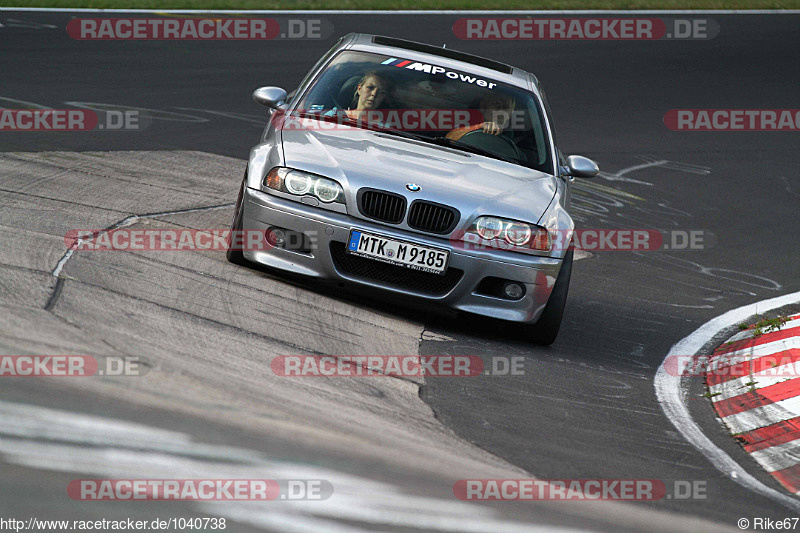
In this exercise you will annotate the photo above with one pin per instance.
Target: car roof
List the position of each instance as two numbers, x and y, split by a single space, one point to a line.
444 57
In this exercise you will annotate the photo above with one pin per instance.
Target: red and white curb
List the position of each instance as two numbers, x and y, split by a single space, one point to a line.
762 407
672 392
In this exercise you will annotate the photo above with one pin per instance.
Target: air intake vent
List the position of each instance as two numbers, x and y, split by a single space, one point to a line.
381 205
434 218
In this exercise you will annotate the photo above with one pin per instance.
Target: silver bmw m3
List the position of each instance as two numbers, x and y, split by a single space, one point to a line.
420 171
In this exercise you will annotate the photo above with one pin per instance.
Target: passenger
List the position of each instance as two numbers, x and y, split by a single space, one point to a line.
496 110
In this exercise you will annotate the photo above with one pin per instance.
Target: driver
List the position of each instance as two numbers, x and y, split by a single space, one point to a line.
370 93
496 110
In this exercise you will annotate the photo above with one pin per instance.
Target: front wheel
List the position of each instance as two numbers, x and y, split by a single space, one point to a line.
545 331
236 256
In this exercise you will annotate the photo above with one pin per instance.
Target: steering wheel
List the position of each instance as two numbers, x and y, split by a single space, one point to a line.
499 144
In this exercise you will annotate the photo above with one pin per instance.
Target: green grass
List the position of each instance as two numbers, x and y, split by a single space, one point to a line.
766 325
504 5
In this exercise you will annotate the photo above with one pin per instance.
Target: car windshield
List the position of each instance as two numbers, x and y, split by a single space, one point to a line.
432 103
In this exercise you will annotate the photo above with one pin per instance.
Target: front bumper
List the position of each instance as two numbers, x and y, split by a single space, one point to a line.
329 233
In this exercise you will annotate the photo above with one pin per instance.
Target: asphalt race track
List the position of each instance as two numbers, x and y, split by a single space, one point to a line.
209 406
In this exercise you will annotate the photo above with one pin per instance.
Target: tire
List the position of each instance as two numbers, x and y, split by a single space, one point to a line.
545 331
236 256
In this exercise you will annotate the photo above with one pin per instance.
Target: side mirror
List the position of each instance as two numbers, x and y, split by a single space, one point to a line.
582 167
271 97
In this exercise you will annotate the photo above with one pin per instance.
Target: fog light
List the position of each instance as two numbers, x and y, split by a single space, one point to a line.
276 237
513 291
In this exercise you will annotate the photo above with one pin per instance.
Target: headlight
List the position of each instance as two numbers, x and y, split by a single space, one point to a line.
517 233
489 228
327 190
297 183
511 235
302 183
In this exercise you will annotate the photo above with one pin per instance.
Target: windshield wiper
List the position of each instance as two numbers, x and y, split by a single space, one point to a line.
444 141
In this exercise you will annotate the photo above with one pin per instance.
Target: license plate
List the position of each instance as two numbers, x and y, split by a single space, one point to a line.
395 252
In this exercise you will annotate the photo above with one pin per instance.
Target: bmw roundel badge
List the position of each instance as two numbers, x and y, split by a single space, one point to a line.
413 187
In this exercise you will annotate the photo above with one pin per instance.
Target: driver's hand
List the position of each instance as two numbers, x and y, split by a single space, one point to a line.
492 128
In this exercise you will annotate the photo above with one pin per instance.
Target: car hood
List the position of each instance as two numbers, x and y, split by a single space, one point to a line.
473 184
